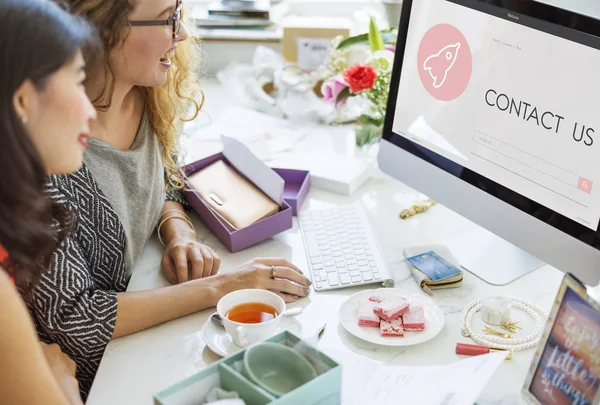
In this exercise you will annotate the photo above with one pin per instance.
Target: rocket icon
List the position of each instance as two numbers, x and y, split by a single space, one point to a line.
439 64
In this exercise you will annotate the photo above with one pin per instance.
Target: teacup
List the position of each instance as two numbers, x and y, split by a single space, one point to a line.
245 334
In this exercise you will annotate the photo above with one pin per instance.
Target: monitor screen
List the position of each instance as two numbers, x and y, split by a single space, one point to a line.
507 100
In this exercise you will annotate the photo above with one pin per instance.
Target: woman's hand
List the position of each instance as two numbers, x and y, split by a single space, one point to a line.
289 283
184 253
63 369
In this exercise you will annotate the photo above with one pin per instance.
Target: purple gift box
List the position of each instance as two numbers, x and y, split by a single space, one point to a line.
297 184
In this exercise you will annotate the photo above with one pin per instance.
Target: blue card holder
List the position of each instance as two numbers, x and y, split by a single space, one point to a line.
434 267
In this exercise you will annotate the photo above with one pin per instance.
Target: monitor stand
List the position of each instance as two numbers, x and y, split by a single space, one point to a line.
490 257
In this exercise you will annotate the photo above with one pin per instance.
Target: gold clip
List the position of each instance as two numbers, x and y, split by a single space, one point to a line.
490 331
216 199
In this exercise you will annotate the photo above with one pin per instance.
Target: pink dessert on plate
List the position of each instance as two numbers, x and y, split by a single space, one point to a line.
366 316
393 328
376 298
391 308
414 320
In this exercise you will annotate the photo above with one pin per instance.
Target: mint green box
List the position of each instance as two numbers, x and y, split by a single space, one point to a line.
228 374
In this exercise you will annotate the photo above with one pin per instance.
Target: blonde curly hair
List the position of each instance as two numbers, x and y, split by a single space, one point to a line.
167 106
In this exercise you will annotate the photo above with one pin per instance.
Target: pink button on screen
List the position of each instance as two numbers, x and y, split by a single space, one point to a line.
584 185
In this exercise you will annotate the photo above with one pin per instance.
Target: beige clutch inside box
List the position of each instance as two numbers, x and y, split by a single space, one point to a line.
235 200
423 280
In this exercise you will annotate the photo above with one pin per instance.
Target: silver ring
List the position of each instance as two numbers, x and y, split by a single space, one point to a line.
273 272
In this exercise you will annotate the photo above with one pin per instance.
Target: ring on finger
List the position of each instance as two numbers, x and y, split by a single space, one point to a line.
273 272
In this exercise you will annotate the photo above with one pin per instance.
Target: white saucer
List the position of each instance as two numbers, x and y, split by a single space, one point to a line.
434 318
220 342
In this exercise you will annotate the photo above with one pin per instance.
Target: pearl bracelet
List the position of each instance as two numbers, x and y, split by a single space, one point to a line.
532 340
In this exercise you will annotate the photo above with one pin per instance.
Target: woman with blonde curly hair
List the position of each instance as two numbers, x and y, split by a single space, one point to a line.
143 89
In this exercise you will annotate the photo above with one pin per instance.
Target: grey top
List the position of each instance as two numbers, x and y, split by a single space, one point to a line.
134 184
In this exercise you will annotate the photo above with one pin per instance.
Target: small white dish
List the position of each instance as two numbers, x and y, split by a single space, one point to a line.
221 343
434 318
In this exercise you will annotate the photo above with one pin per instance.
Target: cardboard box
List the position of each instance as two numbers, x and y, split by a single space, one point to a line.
326 389
306 39
336 173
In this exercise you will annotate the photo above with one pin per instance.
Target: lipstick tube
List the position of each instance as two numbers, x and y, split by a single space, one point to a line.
475 350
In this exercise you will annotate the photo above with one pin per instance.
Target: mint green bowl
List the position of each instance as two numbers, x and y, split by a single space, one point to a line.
277 368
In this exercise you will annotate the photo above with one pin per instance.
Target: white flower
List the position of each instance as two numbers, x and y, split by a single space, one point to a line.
386 55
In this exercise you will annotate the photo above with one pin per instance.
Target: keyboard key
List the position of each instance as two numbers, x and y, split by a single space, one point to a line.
318 266
333 279
316 259
367 276
376 276
312 246
352 267
357 279
355 273
344 278
331 269
319 285
329 263
342 270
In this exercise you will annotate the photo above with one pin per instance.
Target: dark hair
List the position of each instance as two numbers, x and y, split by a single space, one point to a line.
37 38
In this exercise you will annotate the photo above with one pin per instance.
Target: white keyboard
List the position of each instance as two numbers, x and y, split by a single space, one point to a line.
341 248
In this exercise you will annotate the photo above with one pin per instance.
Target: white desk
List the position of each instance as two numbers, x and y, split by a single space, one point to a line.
137 366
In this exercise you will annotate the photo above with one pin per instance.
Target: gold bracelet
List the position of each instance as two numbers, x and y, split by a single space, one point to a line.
184 218
167 211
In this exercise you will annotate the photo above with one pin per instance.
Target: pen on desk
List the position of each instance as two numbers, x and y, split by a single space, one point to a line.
475 350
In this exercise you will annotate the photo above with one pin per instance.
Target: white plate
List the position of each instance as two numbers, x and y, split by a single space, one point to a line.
221 343
434 318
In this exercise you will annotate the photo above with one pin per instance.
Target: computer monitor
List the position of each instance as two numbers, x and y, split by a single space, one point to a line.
494 111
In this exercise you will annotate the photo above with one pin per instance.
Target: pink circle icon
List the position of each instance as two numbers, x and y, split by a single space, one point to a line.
444 62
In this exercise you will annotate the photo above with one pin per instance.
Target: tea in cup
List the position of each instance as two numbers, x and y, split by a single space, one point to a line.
250 315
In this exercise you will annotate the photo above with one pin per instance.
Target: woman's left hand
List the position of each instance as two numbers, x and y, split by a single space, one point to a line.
187 259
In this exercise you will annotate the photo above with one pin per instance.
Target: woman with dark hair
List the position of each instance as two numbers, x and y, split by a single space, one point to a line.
44 121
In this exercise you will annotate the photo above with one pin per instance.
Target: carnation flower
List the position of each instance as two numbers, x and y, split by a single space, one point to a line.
360 77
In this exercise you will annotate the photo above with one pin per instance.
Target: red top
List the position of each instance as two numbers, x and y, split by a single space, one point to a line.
3 254
3 257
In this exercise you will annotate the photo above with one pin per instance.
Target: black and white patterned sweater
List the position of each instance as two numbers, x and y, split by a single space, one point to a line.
75 302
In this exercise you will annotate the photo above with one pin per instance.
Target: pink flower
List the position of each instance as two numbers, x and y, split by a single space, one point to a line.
332 88
390 47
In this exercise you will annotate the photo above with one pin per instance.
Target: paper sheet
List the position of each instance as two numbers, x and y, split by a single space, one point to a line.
265 135
459 383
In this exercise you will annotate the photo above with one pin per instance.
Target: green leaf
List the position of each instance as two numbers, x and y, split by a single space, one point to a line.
368 120
363 39
375 39
344 94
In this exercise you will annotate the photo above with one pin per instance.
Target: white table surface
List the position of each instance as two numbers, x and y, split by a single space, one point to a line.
136 367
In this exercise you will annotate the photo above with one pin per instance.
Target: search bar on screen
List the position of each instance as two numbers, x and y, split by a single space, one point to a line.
533 168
